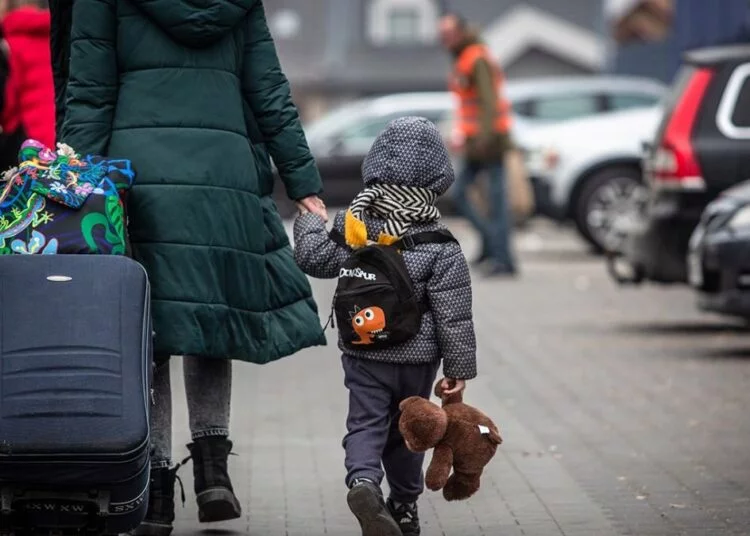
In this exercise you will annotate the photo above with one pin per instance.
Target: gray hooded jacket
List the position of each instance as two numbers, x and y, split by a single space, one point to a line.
410 152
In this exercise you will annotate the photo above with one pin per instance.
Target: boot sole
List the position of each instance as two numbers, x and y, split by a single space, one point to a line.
371 513
147 528
218 504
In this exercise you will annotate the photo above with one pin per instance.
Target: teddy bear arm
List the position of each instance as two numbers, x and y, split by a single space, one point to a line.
440 467
461 486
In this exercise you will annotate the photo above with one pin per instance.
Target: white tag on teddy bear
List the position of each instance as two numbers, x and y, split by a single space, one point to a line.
484 430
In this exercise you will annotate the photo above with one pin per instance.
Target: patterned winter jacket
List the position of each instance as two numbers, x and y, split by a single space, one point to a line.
409 152
441 280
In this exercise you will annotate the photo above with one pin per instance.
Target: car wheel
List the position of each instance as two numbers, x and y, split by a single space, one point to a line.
608 200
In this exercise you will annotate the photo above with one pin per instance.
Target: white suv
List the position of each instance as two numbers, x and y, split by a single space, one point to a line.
590 171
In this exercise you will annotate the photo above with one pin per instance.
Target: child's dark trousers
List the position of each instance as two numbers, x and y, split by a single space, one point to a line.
373 442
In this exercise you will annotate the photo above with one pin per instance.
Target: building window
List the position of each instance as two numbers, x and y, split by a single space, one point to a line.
403 25
402 22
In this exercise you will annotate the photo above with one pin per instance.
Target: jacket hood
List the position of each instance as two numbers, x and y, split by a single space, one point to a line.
28 21
409 152
196 23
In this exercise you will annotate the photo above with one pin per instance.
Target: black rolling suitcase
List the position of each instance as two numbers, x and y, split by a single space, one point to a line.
75 362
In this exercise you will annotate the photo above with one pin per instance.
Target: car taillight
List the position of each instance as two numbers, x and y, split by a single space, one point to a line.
674 165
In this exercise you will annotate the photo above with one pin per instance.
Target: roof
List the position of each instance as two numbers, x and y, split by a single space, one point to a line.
524 27
514 90
547 85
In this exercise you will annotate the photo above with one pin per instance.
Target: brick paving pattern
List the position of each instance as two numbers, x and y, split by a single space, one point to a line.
624 413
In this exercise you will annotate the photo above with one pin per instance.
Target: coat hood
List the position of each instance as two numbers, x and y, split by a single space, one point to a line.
409 152
196 23
27 21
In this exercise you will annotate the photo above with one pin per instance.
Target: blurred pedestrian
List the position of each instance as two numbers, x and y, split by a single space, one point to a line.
482 137
29 98
192 93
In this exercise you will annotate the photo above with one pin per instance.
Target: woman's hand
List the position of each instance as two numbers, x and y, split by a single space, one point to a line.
313 204
452 386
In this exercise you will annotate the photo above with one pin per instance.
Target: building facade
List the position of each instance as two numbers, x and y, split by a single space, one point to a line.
649 37
336 50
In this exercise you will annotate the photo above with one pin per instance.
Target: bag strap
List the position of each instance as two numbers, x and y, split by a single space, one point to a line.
338 237
441 236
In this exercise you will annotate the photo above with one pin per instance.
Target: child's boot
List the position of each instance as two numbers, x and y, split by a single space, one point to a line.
407 517
366 503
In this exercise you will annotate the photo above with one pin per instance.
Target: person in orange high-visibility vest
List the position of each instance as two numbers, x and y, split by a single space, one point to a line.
482 135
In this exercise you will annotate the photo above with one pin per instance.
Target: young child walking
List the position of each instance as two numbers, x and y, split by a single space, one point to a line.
403 305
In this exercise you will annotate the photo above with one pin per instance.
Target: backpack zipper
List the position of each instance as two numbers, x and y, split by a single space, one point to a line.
331 321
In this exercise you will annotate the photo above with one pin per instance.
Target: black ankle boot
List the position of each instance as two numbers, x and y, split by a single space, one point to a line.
213 488
407 517
366 502
160 515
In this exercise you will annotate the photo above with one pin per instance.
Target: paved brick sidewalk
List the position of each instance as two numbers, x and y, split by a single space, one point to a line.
623 413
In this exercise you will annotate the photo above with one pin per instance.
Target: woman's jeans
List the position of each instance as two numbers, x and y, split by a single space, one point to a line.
494 231
208 387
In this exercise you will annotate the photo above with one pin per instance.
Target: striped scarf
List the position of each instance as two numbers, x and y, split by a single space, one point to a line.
399 206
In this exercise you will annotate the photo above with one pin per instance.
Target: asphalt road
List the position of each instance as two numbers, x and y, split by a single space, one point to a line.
624 412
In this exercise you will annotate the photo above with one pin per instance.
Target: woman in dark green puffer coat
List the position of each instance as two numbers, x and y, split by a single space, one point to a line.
192 92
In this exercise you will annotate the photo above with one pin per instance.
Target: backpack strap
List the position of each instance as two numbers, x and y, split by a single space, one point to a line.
338 237
441 236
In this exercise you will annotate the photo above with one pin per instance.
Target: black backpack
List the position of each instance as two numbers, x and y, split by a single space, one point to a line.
374 303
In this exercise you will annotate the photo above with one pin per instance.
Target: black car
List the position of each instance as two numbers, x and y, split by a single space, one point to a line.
719 254
701 149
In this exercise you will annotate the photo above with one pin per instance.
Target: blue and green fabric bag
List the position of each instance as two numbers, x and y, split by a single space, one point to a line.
58 202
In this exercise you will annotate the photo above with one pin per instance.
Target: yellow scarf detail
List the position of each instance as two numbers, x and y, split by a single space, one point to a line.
355 233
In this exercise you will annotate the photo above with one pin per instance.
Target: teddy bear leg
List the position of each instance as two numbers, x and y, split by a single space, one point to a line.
440 468
460 486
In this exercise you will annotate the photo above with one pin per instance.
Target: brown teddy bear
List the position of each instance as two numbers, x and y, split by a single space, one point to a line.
463 437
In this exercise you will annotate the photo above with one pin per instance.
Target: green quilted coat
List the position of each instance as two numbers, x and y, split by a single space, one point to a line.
191 91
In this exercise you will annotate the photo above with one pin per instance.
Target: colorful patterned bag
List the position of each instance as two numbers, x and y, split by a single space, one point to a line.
60 202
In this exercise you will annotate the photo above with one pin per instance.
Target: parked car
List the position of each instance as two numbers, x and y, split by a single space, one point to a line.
700 149
553 99
340 139
589 171
719 254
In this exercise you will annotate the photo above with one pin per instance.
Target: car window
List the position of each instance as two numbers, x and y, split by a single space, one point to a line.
370 127
365 130
733 115
565 107
625 101
741 114
522 107
333 121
